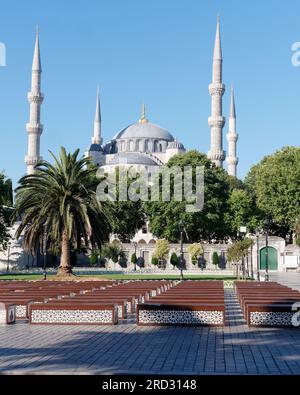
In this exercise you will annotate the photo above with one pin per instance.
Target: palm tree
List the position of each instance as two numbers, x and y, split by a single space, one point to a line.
58 204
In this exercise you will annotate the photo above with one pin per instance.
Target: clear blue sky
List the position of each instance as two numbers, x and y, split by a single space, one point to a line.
157 51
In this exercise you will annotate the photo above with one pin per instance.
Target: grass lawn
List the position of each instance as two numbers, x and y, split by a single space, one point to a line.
124 277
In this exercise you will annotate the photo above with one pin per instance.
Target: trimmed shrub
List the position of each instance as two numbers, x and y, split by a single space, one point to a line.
93 258
174 259
133 258
215 258
154 261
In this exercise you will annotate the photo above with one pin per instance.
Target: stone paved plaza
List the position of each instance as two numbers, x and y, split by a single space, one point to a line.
126 348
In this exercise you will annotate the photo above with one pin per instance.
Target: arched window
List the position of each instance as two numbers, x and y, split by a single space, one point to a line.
137 145
131 145
147 145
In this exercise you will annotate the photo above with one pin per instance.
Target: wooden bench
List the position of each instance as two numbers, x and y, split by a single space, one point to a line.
187 303
60 313
81 300
191 313
21 305
267 304
7 313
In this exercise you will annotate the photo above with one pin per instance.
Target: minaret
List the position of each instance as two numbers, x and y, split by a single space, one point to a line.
232 138
97 139
35 98
216 121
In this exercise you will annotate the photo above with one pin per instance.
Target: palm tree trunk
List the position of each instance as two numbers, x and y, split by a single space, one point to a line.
65 267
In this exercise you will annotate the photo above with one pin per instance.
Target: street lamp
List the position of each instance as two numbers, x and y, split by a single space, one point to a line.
266 228
45 252
181 228
242 233
257 233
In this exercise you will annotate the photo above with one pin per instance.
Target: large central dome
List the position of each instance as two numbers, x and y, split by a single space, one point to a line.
144 130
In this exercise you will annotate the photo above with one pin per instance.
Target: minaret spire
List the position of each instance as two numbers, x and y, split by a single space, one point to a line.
232 103
35 98
232 138
143 118
36 64
218 48
216 90
97 139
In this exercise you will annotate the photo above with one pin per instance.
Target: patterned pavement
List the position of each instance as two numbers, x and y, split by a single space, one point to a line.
126 348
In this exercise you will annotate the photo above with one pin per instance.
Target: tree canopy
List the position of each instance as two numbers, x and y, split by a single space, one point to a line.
275 184
206 224
242 211
6 193
161 250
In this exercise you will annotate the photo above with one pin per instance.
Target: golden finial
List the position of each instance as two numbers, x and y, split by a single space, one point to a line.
143 118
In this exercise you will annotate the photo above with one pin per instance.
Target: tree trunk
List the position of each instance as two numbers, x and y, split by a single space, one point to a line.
65 268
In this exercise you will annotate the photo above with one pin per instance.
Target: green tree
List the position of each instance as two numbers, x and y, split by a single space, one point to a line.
195 250
6 193
275 185
59 201
242 211
237 252
4 235
161 250
206 224
127 217
134 260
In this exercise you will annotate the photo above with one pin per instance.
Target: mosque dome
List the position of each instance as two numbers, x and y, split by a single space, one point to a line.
144 130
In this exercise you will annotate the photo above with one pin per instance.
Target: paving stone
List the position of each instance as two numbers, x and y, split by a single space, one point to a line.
234 349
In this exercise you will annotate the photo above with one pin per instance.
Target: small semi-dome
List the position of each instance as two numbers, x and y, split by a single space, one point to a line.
132 158
175 145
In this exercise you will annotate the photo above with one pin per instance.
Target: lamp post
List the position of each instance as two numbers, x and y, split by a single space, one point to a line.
251 262
8 256
45 252
181 228
242 232
266 227
257 255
